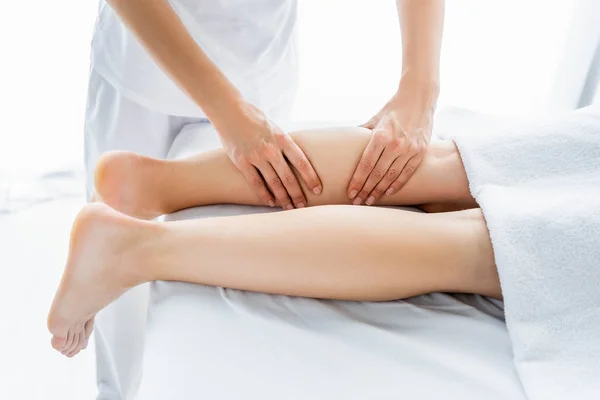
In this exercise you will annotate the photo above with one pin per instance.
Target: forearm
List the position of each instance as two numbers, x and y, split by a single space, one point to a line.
158 27
402 129
422 24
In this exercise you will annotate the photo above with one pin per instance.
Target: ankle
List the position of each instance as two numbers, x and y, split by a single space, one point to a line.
145 252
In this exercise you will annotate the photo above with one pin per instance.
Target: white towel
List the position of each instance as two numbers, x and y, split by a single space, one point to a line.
538 184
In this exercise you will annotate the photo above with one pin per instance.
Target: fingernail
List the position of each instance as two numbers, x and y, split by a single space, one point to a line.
300 205
389 191
370 200
317 191
357 201
353 194
289 207
271 203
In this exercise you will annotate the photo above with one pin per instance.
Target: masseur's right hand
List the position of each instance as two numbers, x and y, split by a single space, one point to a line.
264 154
257 147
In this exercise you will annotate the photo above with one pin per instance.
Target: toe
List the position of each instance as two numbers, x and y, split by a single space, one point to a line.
87 332
78 340
68 342
74 342
81 340
58 342
80 332
89 326
71 354
77 344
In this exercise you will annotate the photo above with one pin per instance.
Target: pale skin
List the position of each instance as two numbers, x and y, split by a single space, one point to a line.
333 251
210 178
402 128
260 149
255 144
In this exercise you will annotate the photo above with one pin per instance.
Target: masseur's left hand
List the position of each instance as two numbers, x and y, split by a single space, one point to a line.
401 135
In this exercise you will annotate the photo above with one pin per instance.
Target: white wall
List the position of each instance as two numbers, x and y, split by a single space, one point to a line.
43 72
498 56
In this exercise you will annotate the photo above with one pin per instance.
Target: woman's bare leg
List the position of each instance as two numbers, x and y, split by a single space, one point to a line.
335 252
145 187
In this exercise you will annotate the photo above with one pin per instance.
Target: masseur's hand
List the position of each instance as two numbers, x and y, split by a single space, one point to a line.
264 154
401 134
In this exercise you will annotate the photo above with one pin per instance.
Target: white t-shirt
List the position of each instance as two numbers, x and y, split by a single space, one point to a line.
251 41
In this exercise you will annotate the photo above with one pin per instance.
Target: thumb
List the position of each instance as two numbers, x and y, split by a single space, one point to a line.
370 124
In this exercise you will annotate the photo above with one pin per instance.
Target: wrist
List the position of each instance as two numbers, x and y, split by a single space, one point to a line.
236 117
225 109
220 102
420 82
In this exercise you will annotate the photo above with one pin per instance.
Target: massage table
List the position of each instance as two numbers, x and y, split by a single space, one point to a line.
208 342
179 341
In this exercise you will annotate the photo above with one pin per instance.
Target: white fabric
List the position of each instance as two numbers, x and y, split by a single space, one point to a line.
252 42
206 342
538 185
114 122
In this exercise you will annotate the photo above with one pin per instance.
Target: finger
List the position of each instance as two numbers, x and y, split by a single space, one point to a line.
276 186
390 176
289 180
298 159
257 184
377 174
370 124
408 171
368 160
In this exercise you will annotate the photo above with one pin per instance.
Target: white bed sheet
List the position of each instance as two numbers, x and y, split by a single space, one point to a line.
206 342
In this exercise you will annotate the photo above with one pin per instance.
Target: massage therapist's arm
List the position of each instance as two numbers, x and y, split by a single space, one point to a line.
253 142
402 128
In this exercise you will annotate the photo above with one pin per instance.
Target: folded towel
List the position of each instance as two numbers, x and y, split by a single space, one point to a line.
538 184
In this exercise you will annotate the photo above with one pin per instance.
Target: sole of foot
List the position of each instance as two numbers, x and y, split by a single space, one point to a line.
99 269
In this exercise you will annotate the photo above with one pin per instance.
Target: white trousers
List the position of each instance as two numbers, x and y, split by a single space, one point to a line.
113 122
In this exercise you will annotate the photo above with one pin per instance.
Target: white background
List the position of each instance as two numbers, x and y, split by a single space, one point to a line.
498 56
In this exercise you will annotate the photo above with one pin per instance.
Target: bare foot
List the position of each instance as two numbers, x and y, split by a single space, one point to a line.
129 183
103 253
